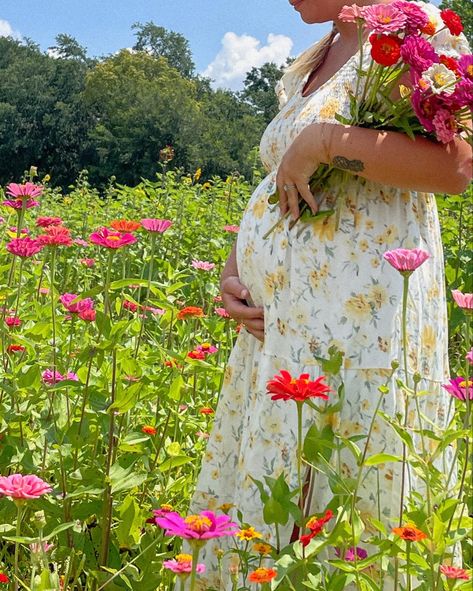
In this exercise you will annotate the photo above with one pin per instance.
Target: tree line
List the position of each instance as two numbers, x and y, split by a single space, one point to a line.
64 111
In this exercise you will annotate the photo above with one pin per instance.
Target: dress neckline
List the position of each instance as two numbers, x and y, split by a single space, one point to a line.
319 88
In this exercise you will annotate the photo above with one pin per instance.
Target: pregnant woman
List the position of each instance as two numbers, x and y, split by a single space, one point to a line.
325 283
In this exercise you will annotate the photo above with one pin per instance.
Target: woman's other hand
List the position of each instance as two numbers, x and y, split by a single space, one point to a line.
234 298
298 164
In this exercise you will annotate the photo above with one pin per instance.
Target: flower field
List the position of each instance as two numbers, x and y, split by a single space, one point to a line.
114 342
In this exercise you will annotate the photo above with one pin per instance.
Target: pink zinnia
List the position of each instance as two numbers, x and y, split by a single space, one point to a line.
207 348
350 554
464 300
81 242
222 312
350 14
56 236
418 53
406 260
231 228
24 247
18 203
87 262
89 315
383 18
12 321
459 388
155 225
465 64
197 528
154 311
131 306
469 356
182 564
45 221
18 486
51 377
416 17
445 126
111 239
203 265
29 190
452 572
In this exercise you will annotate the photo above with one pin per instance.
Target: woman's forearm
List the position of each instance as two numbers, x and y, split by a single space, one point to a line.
392 158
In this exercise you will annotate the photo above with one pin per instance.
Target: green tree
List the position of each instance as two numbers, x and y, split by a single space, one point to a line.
160 42
259 91
465 9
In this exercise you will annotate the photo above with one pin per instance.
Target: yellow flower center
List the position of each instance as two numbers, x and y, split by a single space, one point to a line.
469 70
386 19
167 507
198 523
440 79
466 384
183 558
116 238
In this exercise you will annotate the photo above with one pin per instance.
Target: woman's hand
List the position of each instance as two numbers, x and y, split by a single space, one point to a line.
297 166
234 296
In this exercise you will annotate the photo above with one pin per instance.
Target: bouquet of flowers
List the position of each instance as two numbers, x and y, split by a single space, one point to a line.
408 86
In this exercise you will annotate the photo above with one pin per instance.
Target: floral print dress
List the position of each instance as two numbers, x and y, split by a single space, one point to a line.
325 284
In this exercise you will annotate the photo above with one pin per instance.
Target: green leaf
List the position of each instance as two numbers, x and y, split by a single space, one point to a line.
176 387
124 478
381 459
174 462
274 512
128 531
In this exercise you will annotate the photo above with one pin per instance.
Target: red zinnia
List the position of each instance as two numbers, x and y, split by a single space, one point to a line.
15 348
450 62
46 221
206 410
149 430
299 389
452 21
316 525
385 49
452 572
196 354
4 578
56 236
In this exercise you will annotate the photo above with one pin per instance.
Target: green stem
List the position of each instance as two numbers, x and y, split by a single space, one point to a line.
148 291
106 298
195 558
53 308
299 462
19 515
405 292
408 557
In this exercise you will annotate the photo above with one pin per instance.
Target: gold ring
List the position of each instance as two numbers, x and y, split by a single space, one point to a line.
287 187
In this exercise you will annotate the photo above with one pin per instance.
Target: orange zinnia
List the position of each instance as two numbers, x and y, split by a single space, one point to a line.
262 575
191 312
410 533
125 225
149 430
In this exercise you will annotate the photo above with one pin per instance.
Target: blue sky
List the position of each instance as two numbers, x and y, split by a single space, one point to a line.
227 37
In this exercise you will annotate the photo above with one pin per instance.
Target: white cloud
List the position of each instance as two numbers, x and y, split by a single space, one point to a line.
240 53
6 30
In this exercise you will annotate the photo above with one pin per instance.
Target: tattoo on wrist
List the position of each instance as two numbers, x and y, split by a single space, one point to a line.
345 164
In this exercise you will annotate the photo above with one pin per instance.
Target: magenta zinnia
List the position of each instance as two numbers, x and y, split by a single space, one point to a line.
24 247
18 486
111 239
459 388
285 387
23 195
182 565
198 528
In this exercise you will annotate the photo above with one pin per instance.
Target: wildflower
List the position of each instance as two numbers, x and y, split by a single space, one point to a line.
410 533
406 260
125 225
203 265
222 313
45 221
18 486
199 355
130 306
23 195
383 18
452 21
4 578
262 548
385 49
12 321
464 300
108 239
459 388
182 564
87 262
190 312
285 387
350 554
38 548
197 528
232 229
24 247
44 290
14 348
197 174
206 410
156 225
452 572
262 575
248 534
56 236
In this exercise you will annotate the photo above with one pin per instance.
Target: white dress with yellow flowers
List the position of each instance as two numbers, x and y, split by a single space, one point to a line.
323 286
